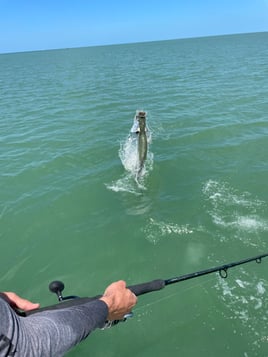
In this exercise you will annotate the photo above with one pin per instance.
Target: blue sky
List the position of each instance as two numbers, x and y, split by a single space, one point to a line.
37 24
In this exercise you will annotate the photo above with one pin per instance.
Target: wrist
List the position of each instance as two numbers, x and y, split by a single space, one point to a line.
108 303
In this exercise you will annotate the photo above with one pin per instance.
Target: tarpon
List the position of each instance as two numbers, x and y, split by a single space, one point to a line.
142 141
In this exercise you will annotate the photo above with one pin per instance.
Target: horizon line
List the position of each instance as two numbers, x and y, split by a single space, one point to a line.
132 43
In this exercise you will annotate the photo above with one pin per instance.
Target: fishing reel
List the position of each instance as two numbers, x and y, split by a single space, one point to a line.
57 288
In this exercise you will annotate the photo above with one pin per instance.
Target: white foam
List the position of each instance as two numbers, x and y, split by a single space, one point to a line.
124 184
157 230
241 283
251 223
260 288
238 212
257 301
246 301
221 193
128 154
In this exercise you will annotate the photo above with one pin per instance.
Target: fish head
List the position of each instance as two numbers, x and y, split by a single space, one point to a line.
141 118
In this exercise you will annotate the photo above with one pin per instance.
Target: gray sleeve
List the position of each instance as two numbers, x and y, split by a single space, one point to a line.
48 333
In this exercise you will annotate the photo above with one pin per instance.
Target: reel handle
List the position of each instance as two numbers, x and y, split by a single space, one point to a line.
57 287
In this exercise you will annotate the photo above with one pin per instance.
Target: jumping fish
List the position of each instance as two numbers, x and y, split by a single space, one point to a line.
142 140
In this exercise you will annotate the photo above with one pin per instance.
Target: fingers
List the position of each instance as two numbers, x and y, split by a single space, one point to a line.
119 300
20 303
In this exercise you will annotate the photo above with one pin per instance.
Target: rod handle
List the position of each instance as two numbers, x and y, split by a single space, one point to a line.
148 287
138 289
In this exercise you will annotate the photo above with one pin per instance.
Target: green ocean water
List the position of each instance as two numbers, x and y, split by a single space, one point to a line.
71 210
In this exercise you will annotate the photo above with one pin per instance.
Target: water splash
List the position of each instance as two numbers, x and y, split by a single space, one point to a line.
128 154
246 301
125 184
231 210
157 230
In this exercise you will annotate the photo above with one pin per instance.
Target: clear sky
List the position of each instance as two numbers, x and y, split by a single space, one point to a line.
47 24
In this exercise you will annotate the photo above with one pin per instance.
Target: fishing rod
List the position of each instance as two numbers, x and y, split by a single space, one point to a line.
64 302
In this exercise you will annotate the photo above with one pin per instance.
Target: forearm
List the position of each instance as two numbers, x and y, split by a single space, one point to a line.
53 333
65 328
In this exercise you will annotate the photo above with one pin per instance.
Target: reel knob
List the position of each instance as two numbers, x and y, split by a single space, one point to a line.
57 287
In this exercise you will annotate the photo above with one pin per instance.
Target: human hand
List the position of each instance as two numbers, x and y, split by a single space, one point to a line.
19 303
119 300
